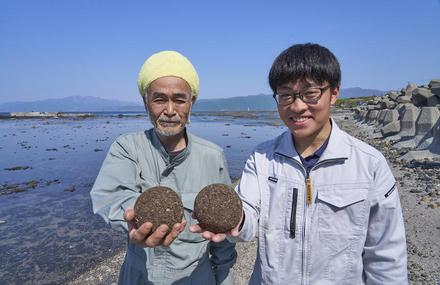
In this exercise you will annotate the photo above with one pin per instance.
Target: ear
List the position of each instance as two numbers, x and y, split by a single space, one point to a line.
334 95
145 99
193 99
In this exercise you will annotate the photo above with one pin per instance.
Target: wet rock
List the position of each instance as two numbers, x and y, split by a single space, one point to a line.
6 189
70 189
15 168
32 184
50 182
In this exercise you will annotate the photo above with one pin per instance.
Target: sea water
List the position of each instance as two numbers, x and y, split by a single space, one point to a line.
47 168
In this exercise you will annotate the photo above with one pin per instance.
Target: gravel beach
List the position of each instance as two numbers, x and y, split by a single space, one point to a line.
419 188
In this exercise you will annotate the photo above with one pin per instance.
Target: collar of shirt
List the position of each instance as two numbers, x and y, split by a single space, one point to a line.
312 159
171 160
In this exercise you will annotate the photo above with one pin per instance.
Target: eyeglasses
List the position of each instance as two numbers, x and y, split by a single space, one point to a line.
309 96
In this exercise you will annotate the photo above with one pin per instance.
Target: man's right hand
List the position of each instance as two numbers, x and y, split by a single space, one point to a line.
143 237
216 237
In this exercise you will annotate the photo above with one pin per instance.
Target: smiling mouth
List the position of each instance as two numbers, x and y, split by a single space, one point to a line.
299 119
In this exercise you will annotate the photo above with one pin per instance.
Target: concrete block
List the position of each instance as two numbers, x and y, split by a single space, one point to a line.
391 129
408 121
420 96
390 116
427 119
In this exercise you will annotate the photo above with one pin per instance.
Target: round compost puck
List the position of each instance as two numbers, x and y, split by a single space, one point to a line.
158 205
218 208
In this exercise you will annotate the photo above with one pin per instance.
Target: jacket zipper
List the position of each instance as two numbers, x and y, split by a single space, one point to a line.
293 213
304 238
308 197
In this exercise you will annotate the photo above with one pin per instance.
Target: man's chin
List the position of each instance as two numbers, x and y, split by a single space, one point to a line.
169 132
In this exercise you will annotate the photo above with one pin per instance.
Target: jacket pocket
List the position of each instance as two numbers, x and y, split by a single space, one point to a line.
341 215
275 217
275 203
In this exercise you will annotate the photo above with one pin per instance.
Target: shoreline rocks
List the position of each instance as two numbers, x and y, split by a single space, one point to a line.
409 120
33 115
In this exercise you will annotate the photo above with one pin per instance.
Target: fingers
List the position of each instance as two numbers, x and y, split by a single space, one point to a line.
156 238
182 226
208 235
213 237
129 218
138 235
218 237
234 232
160 237
195 229
129 215
142 236
175 231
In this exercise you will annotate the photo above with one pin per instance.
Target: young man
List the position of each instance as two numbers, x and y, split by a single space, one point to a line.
166 155
323 204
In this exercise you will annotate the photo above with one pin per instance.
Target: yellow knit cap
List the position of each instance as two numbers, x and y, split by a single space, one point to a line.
167 63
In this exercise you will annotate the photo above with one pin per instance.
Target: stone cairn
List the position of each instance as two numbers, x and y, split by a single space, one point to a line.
409 119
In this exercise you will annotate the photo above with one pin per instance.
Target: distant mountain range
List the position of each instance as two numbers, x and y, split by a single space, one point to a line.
96 104
356 92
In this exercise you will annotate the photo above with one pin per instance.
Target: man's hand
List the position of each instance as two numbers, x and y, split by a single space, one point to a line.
216 237
142 237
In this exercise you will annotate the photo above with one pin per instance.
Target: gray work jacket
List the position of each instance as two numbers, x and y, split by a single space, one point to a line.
138 161
351 233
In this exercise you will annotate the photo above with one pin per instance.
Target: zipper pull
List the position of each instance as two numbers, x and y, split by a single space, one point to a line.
309 190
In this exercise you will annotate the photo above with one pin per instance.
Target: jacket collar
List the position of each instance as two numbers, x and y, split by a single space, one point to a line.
170 162
337 145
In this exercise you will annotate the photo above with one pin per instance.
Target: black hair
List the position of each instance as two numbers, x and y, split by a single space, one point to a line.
305 61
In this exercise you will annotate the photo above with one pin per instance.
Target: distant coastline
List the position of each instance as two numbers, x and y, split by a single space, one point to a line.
47 115
55 115
260 102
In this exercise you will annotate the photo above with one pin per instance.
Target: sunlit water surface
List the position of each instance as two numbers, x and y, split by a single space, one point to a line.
48 233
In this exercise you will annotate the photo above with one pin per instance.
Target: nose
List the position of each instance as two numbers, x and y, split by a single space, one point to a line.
298 106
170 110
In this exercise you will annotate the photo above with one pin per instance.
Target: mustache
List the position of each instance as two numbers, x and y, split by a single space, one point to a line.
169 120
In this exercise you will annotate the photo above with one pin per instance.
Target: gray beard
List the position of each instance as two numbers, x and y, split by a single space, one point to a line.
164 132
168 133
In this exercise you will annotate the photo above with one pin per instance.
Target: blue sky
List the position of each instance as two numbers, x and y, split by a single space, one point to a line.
59 48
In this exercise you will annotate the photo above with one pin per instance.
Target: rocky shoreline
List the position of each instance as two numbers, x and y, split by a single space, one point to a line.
419 189
33 115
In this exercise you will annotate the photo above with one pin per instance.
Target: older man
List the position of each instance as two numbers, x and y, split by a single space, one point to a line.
166 155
